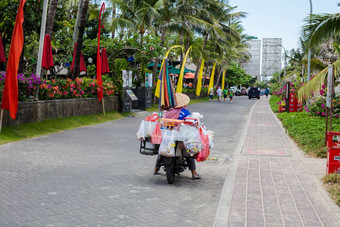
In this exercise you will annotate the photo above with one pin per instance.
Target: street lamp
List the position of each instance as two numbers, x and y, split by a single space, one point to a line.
309 51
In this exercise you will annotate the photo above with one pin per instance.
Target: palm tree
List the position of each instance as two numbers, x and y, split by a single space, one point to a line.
136 16
52 10
80 38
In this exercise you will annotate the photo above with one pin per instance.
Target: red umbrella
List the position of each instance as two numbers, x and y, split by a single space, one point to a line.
105 63
82 66
47 58
2 52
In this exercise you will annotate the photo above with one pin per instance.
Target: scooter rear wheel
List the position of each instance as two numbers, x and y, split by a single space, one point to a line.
170 173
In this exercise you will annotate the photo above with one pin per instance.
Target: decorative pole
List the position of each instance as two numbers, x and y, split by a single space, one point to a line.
41 43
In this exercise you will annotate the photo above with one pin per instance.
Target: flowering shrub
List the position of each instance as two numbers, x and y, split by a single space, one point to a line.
59 88
318 105
27 85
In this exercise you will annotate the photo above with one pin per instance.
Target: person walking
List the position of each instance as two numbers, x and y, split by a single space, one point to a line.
266 92
211 94
219 93
225 94
230 94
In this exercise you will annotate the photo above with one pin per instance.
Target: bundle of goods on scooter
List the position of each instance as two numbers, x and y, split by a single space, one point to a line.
190 131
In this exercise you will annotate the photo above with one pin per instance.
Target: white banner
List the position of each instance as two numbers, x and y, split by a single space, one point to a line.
329 87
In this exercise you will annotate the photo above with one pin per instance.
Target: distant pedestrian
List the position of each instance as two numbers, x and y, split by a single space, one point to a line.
211 94
225 94
266 92
219 93
230 94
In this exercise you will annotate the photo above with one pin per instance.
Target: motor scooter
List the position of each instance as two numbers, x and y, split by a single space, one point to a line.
171 165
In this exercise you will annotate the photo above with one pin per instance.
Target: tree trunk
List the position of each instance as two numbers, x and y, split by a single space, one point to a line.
163 36
76 26
154 71
206 71
80 39
219 77
187 44
182 42
52 10
200 61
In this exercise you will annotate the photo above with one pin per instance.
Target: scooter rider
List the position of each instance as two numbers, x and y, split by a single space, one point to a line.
179 112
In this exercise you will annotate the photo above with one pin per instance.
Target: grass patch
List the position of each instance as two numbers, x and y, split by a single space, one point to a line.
308 132
34 129
332 182
274 99
154 108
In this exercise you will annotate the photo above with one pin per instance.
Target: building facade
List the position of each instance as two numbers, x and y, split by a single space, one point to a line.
271 57
252 67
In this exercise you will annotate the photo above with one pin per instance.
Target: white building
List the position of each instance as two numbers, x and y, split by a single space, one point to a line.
252 67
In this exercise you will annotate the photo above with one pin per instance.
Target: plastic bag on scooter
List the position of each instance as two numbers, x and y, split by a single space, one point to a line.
140 133
149 128
192 144
167 147
204 153
156 137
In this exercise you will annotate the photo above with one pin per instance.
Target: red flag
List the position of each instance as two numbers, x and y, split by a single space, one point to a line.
82 66
10 95
105 64
47 57
99 66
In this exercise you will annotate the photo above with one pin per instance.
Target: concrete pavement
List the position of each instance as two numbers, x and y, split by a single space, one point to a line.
271 182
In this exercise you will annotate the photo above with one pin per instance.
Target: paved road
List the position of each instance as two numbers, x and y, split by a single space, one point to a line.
94 176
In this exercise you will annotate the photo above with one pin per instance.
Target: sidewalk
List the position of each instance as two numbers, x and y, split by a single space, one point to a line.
271 182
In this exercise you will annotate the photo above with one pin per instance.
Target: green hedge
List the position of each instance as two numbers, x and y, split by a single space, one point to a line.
274 99
308 132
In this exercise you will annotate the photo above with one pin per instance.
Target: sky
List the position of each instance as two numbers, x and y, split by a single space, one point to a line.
280 18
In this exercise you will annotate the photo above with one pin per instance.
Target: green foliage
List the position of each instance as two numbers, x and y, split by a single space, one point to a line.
120 64
235 76
261 84
308 131
274 103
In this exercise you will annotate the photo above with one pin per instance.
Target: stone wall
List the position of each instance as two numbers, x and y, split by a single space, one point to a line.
44 110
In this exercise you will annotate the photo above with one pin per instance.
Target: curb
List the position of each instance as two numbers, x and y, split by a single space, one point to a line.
222 212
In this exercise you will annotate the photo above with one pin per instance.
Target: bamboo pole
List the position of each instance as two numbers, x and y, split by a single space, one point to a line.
103 106
1 117
326 126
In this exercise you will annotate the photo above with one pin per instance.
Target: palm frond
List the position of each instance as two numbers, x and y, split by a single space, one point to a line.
321 28
316 82
337 49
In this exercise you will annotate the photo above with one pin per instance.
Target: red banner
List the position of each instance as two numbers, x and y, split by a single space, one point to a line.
10 95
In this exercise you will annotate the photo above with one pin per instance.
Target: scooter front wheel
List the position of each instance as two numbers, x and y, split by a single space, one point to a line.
170 173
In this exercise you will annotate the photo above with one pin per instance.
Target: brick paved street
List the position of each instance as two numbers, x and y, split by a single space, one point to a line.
95 176
275 184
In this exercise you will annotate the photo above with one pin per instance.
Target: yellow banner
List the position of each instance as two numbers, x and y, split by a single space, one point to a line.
181 74
158 87
211 82
223 79
199 80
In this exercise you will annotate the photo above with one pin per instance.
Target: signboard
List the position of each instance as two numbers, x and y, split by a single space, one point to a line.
148 79
131 95
130 79
329 87
125 78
